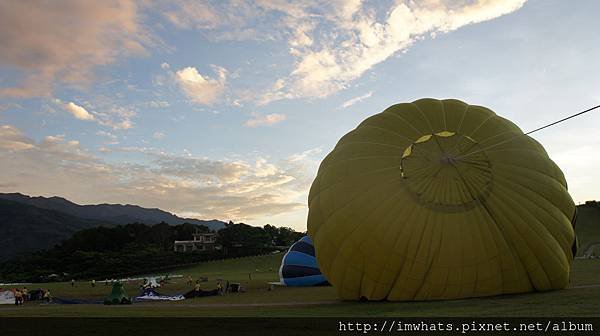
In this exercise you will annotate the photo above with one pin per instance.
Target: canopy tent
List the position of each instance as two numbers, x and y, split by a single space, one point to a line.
7 297
438 199
118 295
299 265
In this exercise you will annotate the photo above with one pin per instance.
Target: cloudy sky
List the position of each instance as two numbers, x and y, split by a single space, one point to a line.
224 109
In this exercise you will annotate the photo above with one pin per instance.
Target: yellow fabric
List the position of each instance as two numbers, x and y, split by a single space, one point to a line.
411 205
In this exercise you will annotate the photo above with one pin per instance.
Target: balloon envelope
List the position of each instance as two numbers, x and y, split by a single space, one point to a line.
438 199
299 266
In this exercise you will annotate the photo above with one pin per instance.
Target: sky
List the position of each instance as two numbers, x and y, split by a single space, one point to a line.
225 109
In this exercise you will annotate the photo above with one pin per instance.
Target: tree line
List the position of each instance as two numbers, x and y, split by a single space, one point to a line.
106 252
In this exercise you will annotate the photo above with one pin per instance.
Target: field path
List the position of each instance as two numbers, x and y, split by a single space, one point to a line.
241 305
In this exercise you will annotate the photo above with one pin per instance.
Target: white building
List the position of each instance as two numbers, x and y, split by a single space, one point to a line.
200 242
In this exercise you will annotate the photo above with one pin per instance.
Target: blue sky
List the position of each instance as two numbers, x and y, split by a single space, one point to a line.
225 109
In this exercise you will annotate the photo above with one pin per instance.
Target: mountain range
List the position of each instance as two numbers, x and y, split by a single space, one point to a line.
32 223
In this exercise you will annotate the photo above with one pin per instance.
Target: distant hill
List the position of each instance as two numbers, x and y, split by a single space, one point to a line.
109 213
26 228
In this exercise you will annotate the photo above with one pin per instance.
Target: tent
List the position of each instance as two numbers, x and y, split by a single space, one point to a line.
151 294
438 199
118 295
299 265
7 297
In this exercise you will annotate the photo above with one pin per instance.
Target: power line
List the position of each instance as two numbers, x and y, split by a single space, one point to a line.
535 130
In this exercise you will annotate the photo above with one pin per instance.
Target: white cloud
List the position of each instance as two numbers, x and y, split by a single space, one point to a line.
201 89
48 43
116 117
352 38
242 189
305 155
231 20
158 135
111 139
264 120
9 106
263 168
11 139
78 112
333 42
189 14
107 134
157 104
106 114
358 99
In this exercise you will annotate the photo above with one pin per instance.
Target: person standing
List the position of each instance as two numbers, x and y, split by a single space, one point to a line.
93 283
47 296
72 282
18 297
25 293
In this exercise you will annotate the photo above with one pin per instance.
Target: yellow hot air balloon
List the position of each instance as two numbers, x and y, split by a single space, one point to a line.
438 199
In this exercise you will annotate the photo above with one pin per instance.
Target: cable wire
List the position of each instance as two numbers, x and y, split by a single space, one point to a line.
530 132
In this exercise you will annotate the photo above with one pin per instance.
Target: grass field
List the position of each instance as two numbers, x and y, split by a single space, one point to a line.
582 299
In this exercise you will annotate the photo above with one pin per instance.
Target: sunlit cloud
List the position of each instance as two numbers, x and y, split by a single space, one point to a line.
114 116
201 89
78 111
246 190
353 38
11 139
358 99
264 120
49 44
188 14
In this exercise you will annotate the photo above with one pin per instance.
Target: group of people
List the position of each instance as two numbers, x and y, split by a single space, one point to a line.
22 295
190 280
222 286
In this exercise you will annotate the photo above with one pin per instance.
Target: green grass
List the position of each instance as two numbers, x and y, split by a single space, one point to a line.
314 301
263 269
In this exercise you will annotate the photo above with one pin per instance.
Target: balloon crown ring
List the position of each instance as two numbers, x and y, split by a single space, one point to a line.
437 173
